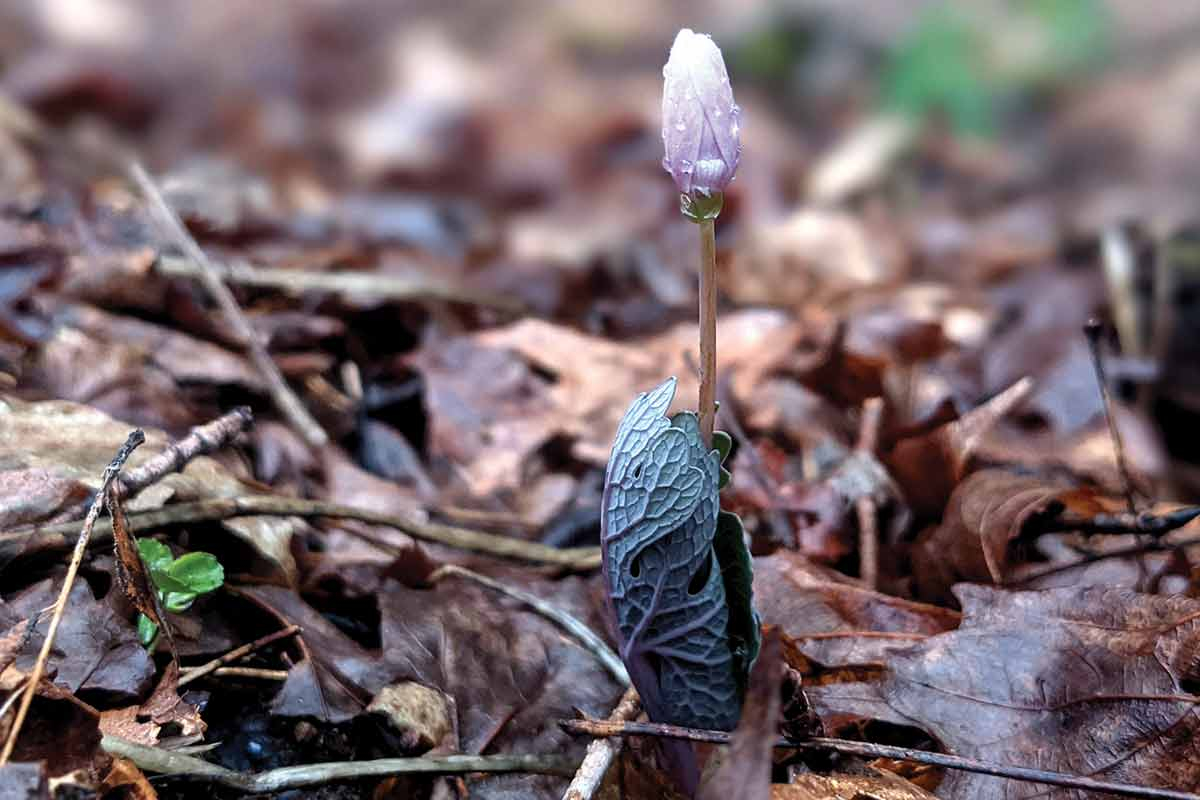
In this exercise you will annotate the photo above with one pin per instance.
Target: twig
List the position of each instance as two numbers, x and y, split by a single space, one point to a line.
284 398
1154 545
203 439
154 759
362 284
580 559
864 506
39 667
1093 329
602 752
567 622
871 750
868 541
250 672
708 327
1126 523
193 673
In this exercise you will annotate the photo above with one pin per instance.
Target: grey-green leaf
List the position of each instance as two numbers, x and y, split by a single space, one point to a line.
665 587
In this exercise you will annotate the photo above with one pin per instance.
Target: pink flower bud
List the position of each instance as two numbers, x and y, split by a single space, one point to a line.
700 120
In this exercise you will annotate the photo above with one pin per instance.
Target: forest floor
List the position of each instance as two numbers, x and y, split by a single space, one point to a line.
377 285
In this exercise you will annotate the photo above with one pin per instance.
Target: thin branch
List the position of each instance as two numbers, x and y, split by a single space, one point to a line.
251 672
193 673
871 750
579 559
602 752
1152 546
287 402
203 439
358 284
39 666
154 759
1122 523
570 624
1093 329
865 506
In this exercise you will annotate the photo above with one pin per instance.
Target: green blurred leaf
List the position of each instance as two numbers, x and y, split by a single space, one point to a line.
165 582
939 68
147 630
199 573
156 554
178 602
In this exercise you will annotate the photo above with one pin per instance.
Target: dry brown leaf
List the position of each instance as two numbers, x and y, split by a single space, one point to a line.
984 519
73 442
95 649
876 785
546 380
928 467
124 776
1089 681
833 619
130 573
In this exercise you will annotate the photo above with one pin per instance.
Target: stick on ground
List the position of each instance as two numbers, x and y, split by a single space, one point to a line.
287 402
871 750
567 622
579 559
193 673
602 752
201 440
154 759
39 666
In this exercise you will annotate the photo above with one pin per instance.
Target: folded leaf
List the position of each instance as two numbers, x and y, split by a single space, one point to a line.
664 581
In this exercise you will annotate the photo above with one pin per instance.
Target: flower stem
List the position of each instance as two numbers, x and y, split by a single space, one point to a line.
708 327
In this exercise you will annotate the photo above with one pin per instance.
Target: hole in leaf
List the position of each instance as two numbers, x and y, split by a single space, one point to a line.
635 566
699 580
637 471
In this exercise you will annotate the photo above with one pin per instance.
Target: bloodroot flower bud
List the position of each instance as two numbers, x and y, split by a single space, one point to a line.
700 120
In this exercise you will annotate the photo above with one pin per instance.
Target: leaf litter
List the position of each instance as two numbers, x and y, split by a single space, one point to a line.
461 254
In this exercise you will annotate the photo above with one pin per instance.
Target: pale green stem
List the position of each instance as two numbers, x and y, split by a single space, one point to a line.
708 328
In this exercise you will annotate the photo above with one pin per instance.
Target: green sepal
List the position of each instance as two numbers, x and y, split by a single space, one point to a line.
700 207
737 573
722 442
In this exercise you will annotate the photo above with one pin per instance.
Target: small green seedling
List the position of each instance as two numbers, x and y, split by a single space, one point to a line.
179 581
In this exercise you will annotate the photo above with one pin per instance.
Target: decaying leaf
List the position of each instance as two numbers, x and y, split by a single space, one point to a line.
986 515
95 649
510 672
1090 681
834 620
928 467
72 442
874 784
130 573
